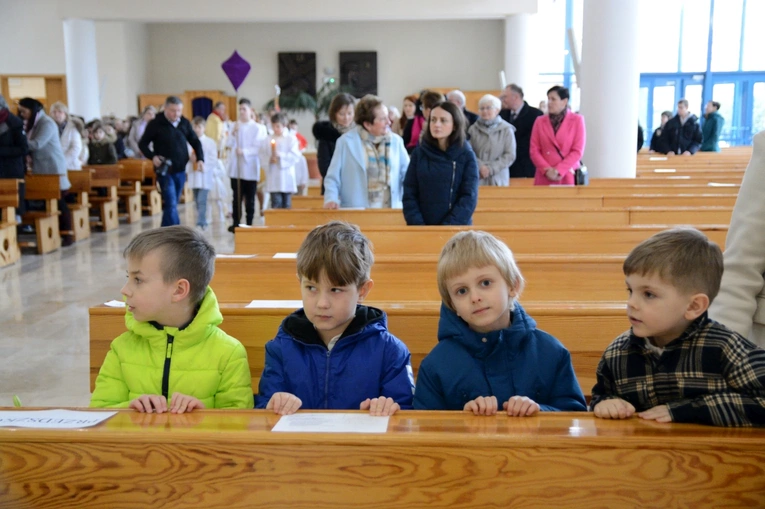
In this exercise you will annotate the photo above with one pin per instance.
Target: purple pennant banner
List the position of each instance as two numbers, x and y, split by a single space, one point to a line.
236 69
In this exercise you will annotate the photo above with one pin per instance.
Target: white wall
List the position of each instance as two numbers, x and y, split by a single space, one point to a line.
122 65
31 37
410 55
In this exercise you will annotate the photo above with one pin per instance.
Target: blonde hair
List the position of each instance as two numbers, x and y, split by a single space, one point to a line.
340 251
59 106
476 249
684 257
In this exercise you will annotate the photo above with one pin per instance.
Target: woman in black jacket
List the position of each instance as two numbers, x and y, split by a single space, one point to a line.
13 149
441 184
327 132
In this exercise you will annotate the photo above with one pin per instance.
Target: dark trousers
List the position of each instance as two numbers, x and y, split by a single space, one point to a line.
281 200
65 219
172 188
244 189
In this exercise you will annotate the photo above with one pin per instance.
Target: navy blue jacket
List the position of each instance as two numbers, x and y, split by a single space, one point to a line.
441 188
518 361
680 137
366 362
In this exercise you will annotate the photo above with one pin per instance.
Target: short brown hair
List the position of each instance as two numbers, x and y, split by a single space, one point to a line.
457 137
199 121
684 102
475 249
185 254
340 251
683 257
338 102
279 118
365 109
430 99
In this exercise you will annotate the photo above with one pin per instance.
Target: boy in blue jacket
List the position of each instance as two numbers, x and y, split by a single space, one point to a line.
489 351
334 353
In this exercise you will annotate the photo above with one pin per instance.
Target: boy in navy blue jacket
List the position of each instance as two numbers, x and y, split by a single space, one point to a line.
489 351
334 353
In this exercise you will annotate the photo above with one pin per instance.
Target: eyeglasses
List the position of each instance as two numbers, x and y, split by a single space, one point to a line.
486 108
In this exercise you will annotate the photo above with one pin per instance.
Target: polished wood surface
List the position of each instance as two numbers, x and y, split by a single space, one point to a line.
405 240
232 459
9 201
637 188
584 328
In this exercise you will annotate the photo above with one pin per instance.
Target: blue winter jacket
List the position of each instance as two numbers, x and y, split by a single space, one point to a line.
366 362
441 187
518 361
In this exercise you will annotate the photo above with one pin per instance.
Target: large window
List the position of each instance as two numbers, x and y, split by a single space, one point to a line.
754 36
726 41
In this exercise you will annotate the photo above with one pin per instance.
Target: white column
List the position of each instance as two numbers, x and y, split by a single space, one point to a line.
521 52
81 68
610 85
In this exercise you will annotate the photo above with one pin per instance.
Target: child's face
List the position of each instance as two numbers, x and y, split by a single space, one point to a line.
245 112
482 298
199 129
98 134
147 295
331 308
293 127
657 309
278 128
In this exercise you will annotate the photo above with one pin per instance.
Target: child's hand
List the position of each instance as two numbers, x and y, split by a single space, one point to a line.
274 160
659 413
482 405
520 406
184 403
380 406
149 403
615 408
284 403
239 152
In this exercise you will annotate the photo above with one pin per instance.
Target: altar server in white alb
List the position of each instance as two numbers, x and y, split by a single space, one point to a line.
245 142
201 180
280 156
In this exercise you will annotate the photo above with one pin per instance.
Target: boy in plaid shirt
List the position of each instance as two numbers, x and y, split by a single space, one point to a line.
675 364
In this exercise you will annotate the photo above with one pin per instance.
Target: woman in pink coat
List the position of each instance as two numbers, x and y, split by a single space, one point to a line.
557 141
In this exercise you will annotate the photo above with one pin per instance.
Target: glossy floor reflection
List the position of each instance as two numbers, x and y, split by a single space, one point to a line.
44 303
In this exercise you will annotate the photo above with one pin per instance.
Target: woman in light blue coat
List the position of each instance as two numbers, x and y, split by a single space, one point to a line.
369 163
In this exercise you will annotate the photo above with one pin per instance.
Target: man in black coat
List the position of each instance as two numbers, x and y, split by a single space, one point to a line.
517 112
13 149
682 133
169 132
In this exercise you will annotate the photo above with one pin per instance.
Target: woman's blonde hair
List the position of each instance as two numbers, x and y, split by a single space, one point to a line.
59 106
475 249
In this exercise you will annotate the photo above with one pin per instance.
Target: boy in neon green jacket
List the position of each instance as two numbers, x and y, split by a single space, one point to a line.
173 357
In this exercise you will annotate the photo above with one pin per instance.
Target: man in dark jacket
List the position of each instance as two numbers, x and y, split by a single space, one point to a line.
13 148
169 132
517 112
682 133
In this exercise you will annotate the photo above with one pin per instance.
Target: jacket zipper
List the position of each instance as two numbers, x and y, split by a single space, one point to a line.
451 188
166 371
326 382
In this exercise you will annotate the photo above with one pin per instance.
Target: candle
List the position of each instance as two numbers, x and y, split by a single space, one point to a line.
273 147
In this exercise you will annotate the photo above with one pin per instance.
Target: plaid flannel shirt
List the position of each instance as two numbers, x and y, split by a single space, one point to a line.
709 375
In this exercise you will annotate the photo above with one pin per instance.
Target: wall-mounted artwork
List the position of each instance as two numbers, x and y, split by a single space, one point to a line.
358 71
297 73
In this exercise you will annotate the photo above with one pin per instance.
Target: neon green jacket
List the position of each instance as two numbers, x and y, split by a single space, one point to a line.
200 360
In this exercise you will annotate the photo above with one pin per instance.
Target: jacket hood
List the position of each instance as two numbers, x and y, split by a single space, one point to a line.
324 131
453 152
301 329
208 317
453 328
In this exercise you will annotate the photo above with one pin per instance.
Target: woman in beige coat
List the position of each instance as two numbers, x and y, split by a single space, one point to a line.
740 304
493 141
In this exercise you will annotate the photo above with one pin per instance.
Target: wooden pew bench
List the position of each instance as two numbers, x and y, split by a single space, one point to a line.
9 202
130 192
151 199
585 328
80 210
413 278
537 217
45 188
404 240
637 188
106 207
232 459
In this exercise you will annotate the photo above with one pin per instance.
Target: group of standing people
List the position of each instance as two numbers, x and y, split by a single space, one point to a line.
445 152
684 134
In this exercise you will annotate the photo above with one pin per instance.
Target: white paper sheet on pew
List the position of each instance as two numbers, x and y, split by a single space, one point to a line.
331 423
275 304
665 170
235 256
657 158
115 303
287 256
721 184
52 419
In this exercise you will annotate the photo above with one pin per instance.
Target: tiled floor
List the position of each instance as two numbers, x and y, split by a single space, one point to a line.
44 303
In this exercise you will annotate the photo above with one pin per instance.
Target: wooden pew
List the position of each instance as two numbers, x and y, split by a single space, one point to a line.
233 459
80 180
107 207
152 200
536 217
48 189
129 191
9 201
637 188
585 328
403 240
549 278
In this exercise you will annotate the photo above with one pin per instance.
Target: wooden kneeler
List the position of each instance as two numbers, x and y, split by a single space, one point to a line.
80 210
9 200
107 177
48 189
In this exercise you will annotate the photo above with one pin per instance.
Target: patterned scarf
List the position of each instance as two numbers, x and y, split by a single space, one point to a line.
377 149
342 129
490 124
557 119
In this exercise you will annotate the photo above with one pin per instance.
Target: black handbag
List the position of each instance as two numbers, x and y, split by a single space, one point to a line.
581 177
